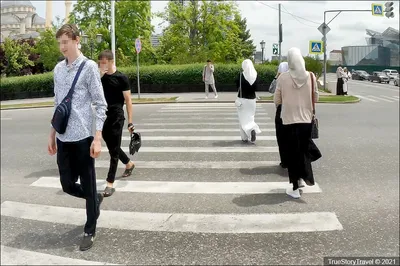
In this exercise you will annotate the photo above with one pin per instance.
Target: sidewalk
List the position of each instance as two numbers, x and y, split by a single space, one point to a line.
183 97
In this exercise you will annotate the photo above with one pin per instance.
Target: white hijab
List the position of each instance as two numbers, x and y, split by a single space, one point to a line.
297 67
249 72
283 67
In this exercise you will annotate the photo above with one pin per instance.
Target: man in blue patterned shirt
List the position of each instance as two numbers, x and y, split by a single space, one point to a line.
77 148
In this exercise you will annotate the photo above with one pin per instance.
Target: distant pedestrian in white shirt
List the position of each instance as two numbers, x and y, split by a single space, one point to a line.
208 78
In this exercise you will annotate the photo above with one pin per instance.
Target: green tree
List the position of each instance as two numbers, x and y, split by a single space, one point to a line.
17 57
247 45
47 48
132 19
314 65
199 30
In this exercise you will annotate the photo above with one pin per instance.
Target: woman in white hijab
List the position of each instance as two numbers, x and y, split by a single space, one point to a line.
294 91
283 67
247 83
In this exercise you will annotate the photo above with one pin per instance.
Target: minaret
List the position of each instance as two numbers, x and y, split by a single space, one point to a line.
49 13
68 4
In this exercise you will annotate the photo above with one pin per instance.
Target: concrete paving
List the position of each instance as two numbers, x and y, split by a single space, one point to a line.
165 214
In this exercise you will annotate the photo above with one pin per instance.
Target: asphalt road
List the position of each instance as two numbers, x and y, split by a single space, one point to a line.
209 217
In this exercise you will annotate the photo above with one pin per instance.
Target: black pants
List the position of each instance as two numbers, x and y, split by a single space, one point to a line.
339 87
112 135
280 135
297 148
74 161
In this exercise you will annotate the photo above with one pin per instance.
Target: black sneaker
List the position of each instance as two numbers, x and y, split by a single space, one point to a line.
87 242
253 135
100 198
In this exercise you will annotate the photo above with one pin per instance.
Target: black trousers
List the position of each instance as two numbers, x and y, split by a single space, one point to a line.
339 87
112 135
74 161
280 135
297 148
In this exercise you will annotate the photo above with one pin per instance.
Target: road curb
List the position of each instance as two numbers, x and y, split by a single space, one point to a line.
176 102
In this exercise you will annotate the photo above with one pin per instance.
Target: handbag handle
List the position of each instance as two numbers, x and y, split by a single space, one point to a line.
312 92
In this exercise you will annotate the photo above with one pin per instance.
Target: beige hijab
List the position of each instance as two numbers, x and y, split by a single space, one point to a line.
297 67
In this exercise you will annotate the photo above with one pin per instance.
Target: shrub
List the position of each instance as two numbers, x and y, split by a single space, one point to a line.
164 75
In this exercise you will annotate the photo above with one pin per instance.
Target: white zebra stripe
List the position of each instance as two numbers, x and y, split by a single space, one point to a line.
179 222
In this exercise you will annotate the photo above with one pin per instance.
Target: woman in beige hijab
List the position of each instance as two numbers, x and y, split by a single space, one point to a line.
294 92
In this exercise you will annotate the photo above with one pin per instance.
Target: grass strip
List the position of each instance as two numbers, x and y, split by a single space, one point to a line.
50 104
325 99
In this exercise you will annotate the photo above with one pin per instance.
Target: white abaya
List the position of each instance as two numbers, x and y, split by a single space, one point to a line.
246 113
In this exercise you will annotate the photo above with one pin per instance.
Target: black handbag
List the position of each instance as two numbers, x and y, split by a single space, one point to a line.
314 121
136 143
63 110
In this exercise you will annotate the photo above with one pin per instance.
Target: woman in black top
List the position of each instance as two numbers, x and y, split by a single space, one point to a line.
247 83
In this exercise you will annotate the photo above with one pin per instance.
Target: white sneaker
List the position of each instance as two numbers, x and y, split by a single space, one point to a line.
206 97
216 96
293 193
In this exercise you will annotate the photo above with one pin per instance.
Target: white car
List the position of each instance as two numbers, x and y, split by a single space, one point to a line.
391 73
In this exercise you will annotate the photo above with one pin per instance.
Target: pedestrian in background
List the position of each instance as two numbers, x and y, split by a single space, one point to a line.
117 91
339 85
346 77
76 147
283 67
247 84
294 90
208 78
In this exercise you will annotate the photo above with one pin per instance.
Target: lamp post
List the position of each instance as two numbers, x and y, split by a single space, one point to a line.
262 51
85 40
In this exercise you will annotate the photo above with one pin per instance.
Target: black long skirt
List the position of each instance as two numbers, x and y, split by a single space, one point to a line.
279 131
339 87
298 139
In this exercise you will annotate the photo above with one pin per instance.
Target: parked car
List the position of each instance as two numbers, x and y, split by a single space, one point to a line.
360 75
391 73
379 77
396 81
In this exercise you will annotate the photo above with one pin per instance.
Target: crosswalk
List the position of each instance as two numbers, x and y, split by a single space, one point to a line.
380 98
205 157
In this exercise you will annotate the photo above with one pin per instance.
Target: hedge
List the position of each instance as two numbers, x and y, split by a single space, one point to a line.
156 78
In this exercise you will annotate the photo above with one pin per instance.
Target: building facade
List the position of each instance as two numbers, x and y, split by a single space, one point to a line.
382 49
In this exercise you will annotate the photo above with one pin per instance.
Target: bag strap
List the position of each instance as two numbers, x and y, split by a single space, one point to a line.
71 91
240 85
312 92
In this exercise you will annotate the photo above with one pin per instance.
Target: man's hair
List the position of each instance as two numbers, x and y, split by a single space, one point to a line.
71 30
107 54
208 60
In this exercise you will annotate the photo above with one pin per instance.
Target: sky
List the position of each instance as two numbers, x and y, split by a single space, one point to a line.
347 29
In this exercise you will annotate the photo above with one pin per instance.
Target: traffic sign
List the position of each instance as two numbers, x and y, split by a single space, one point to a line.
323 27
316 47
377 10
138 45
275 50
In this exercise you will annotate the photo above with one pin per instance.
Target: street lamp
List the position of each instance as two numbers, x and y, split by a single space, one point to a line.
85 40
262 51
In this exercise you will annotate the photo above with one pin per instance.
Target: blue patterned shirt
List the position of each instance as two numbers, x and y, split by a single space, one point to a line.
88 91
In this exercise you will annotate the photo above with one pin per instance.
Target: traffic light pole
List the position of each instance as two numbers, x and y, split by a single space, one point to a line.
324 32
280 35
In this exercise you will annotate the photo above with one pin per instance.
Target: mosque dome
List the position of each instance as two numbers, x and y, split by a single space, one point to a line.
14 3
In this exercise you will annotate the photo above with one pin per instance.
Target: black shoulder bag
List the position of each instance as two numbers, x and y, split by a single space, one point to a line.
314 121
63 110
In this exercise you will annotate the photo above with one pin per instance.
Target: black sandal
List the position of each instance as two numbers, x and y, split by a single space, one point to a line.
128 172
108 191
